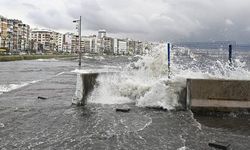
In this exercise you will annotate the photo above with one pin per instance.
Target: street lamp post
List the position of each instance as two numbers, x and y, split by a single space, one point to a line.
79 34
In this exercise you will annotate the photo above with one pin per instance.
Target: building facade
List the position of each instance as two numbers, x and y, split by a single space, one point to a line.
15 36
41 39
101 34
4 32
122 47
47 40
135 47
67 42
23 37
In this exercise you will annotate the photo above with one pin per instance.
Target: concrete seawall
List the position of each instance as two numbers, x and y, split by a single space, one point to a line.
218 95
84 85
199 94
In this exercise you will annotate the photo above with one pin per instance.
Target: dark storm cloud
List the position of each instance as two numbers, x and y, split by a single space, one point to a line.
96 16
181 20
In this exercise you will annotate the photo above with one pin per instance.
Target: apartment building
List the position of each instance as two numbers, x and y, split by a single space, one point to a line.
67 42
14 34
90 44
135 47
115 46
42 39
47 40
10 34
4 32
23 37
60 42
56 41
108 45
101 34
122 47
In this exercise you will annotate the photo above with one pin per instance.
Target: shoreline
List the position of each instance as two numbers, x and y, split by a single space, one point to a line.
31 57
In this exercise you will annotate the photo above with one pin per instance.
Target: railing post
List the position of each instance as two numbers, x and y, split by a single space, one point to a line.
230 55
169 48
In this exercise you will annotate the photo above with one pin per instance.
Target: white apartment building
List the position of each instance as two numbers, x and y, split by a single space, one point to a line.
71 43
115 46
57 41
102 34
90 44
67 42
122 47
23 37
60 42
42 38
47 40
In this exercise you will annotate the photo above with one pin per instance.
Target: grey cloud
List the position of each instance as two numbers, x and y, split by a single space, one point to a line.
96 17
29 6
177 20
51 19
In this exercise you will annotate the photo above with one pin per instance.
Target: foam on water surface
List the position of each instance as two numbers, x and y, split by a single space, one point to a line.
10 87
47 60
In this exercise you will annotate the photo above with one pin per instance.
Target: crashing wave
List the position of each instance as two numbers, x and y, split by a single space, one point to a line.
146 81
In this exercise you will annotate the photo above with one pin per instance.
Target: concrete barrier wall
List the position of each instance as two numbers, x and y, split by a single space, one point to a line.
84 85
220 95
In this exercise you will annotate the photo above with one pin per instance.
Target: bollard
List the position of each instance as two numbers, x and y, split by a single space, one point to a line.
169 60
230 55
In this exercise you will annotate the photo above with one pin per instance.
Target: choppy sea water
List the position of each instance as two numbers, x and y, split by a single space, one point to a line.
29 123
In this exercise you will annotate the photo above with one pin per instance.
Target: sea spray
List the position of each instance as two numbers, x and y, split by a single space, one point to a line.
146 81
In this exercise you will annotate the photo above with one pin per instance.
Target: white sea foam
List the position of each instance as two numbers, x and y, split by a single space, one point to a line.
104 70
100 57
61 73
2 125
146 82
88 57
47 60
183 148
10 87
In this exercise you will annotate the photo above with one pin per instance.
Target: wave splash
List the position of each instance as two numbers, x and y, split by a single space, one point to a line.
146 81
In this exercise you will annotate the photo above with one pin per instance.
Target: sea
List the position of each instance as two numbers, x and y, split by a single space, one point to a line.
144 83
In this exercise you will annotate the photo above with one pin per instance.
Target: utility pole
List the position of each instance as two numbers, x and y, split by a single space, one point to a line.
80 38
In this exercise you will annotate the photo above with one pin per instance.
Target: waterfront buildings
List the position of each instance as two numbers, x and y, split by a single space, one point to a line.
15 36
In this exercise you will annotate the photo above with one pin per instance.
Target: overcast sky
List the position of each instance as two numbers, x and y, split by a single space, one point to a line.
172 20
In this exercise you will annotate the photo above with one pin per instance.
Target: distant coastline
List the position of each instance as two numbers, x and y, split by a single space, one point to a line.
31 57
